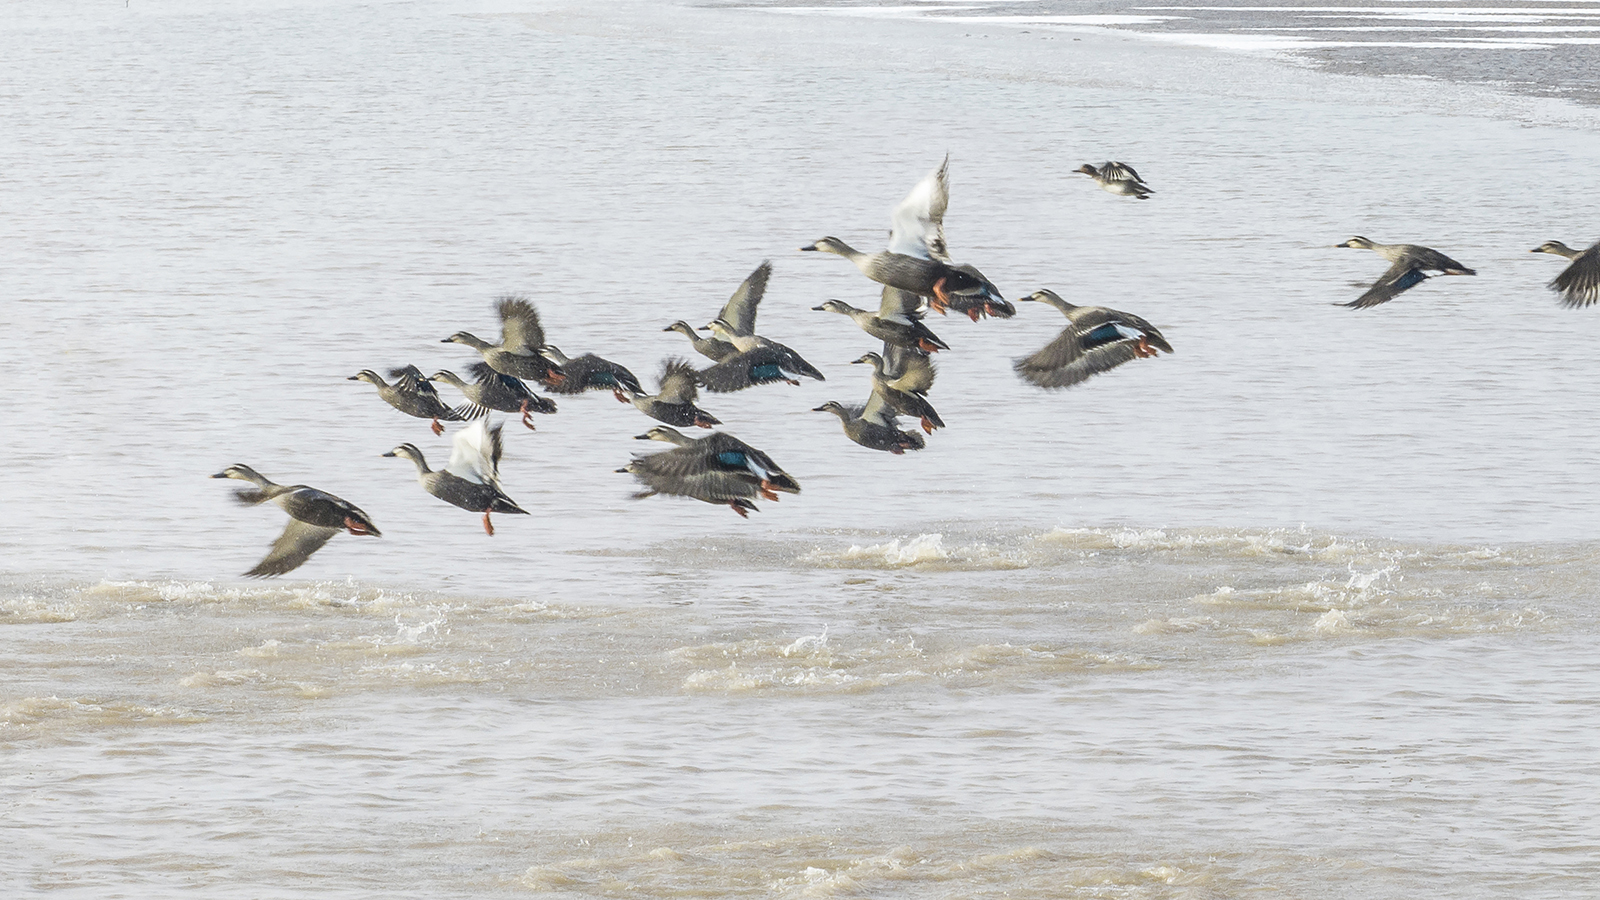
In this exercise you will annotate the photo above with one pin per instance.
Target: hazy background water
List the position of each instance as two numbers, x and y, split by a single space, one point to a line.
1305 608
1543 48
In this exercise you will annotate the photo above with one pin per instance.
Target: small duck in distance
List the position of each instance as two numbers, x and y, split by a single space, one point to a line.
1409 264
917 258
411 394
1579 283
1097 339
471 480
1117 178
521 337
314 518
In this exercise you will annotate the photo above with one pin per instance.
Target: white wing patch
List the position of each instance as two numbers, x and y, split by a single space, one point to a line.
471 453
917 224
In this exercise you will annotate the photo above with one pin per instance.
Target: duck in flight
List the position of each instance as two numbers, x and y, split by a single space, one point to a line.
1097 339
1117 178
1408 267
917 259
314 518
1579 283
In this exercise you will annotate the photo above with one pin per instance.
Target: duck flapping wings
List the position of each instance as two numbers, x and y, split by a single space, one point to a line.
1097 339
917 223
475 453
1579 282
520 331
678 382
740 311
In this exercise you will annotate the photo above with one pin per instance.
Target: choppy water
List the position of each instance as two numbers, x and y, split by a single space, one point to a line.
1305 609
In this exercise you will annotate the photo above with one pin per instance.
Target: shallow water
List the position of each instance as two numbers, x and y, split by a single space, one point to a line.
1304 609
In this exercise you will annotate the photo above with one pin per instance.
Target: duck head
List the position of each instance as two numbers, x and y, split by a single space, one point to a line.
830 245
836 306
241 472
1358 242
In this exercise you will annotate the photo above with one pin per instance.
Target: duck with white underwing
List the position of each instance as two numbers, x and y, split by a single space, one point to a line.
471 480
1117 178
917 259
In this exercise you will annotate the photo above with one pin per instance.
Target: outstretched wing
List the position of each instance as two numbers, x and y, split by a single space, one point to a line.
1064 361
1401 277
298 541
692 471
917 224
520 331
740 310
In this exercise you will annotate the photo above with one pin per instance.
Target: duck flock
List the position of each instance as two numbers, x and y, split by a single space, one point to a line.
917 276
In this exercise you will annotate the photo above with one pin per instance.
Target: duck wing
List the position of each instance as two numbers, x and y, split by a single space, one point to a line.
1404 275
900 306
692 471
589 372
475 454
761 365
1429 258
294 546
908 370
520 331
423 397
677 382
740 310
1120 171
917 224
734 454
1579 283
878 410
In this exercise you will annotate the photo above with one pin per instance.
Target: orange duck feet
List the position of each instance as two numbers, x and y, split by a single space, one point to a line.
437 428
488 527
355 527
739 509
